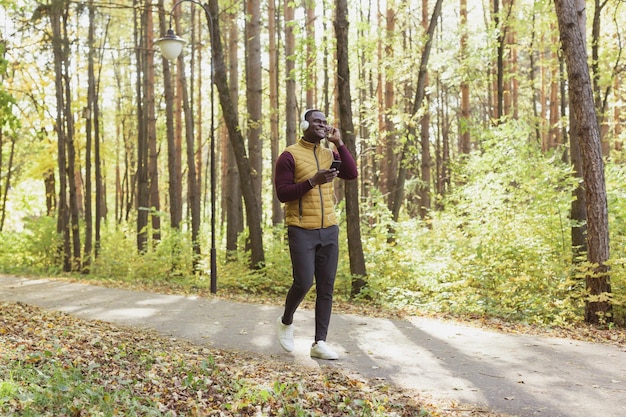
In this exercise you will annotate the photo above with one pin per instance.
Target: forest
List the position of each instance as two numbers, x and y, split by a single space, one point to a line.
488 136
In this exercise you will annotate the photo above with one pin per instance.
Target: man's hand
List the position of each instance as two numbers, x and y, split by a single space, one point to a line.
323 176
334 136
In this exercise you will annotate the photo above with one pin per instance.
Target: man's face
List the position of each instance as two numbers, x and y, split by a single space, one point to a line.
318 127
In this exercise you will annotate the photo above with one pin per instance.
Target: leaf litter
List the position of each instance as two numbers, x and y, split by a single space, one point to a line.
55 364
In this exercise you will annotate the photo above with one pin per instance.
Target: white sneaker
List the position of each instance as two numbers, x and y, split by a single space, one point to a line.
321 350
285 334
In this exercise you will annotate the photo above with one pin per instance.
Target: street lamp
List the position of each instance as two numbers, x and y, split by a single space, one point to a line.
171 46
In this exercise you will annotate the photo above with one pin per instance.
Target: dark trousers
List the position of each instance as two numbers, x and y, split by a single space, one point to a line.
314 253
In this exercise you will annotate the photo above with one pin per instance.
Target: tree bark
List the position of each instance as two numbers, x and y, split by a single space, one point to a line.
353 219
291 111
143 197
597 306
67 223
173 152
310 67
277 210
254 95
232 190
253 207
150 120
390 142
426 162
88 113
465 146
193 196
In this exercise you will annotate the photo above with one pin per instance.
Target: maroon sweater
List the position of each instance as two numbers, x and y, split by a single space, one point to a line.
287 190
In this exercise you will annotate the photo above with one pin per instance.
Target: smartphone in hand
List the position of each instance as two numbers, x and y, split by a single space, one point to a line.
335 165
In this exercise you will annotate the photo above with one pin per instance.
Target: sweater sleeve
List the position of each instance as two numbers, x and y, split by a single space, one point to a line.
286 188
348 169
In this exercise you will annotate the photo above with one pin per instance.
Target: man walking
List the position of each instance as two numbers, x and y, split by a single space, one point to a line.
304 182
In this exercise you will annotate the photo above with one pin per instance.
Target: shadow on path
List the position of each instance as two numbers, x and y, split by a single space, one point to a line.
516 374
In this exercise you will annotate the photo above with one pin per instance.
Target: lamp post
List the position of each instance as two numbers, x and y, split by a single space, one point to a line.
171 46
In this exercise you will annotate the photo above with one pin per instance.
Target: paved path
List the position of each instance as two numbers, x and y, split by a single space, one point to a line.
516 374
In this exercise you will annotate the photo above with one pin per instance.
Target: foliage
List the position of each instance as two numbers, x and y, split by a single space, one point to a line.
500 248
34 250
167 259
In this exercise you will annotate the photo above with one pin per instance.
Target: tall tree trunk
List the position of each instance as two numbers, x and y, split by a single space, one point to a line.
193 197
7 183
533 80
390 143
290 73
143 196
310 68
150 120
465 147
253 206
101 208
353 218
67 224
277 210
578 210
367 156
498 93
555 110
173 152
92 126
88 113
63 224
254 95
426 164
231 191
381 180
420 93
597 305
501 23
600 103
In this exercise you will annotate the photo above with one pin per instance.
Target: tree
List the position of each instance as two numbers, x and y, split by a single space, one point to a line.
253 207
143 196
465 143
254 94
231 190
290 74
597 305
426 163
353 219
9 125
173 150
67 221
420 93
193 190
277 211
91 98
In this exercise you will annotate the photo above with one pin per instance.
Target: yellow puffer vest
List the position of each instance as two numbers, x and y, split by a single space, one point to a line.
316 209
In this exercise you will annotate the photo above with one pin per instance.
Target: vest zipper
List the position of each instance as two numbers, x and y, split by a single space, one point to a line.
317 164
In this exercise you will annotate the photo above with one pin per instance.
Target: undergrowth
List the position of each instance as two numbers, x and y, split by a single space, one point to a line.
500 247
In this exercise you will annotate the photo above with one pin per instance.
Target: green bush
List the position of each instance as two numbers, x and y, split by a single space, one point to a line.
500 247
33 250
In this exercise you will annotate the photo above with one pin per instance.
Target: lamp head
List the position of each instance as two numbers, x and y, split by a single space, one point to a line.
171 45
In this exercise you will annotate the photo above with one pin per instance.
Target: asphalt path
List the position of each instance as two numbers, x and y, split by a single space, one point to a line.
521 375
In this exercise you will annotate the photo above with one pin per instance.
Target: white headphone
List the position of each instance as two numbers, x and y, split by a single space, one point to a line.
304 123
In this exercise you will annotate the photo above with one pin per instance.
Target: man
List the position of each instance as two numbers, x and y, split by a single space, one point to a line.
304 183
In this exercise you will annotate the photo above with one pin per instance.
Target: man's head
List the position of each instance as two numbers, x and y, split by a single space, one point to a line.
313 125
